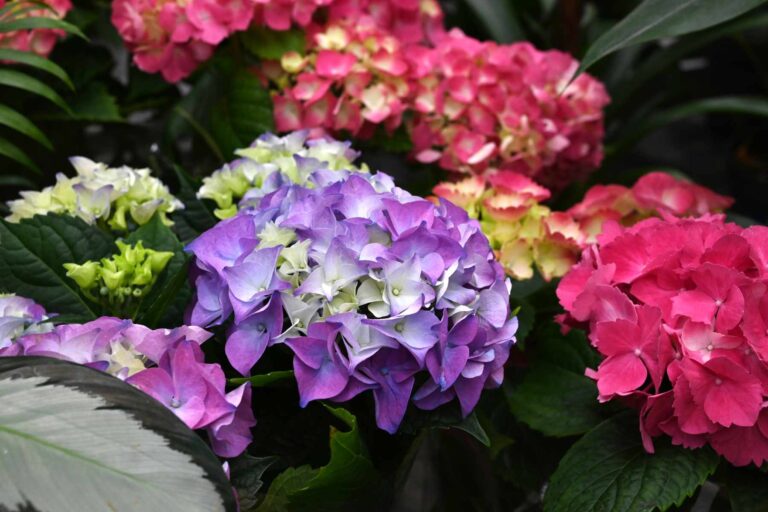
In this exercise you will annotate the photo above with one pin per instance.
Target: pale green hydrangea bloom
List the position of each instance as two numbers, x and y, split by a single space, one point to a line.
272 161
100 193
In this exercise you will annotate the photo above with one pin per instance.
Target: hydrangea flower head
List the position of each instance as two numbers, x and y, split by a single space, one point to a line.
19 316
42 40
114 196
678 309
376 286
480 106
353 78
167 364
272 161
172 36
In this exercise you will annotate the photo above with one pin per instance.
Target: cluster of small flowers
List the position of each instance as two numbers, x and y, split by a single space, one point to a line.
353 78
679 309
99 194
42 40
20 316
480 106
377 286
271 162
166 364
173 37
124 278
526 234
523 232
410 21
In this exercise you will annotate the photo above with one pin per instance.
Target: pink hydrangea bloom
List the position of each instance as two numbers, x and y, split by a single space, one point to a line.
173 37
678 308
410 21
39 41
481 106
353 78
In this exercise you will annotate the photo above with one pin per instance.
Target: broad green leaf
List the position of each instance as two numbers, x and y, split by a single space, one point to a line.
609 470
32 257
194 110
272 44
499 19
445 417
747 489
345 483
36 61
14 180
742 105
265 379
76 439
35 23
655 19
21 124
165 302
246 476
95 103
12 78
244 113
555 397
10 150
526 316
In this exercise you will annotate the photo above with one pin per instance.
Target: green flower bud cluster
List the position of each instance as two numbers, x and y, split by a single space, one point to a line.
122 280
100 194
272 161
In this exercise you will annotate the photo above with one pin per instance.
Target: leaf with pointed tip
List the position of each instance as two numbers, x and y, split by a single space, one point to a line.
21 124
36 61
9 150
12 78
609 470
32 23
655 19
75 439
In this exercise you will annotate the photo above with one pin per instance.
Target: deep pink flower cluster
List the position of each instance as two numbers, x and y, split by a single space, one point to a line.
353 78
166 364
679 309
482 106
40 41
173 36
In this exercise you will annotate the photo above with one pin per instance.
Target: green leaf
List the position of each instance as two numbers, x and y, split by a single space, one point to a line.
742 105
499 19
609 470
35 23
32 257
526 316
747 489
655 19
21 124
265 379
246 473
244 113
14 180
36 61
8 149
165 302
343 484
272 44
555 397
75 439
444 418
95 103
11 78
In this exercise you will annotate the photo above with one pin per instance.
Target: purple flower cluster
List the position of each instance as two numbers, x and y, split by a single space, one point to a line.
368 285
18 316
166 364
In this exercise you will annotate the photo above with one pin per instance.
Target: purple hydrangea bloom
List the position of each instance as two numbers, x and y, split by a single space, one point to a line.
18 316
367 284
167 364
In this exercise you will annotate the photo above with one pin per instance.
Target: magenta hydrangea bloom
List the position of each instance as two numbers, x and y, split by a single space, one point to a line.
167 364
679 309
368 285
